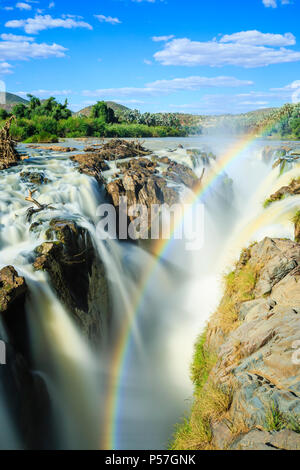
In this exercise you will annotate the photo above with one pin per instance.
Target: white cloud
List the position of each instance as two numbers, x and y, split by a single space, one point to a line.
23 6
257 38
162 38
295 85
274 3
240 102
15 38
40 23
165 87
5 68
107 19
238 52
147 62
196 83
270 3
45 93
24 50
51 5
8 8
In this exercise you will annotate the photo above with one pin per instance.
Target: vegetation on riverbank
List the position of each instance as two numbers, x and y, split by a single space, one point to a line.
279 123
47 121
212 401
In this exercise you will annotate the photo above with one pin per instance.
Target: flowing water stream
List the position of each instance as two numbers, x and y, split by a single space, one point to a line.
152 389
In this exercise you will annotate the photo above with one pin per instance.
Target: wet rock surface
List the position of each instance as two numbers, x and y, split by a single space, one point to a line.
91 164
137 175
12 288
77 275
293 189
34 178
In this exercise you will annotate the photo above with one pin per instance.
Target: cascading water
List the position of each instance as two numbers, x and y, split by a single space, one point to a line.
176 301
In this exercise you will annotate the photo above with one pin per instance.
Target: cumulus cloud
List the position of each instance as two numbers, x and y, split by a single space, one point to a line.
42 22
24 50
15 38
107 19
247 49
164 87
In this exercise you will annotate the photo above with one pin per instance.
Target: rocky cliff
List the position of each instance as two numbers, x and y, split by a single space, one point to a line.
246 367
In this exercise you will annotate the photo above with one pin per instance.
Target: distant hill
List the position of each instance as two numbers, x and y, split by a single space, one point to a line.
111 104
11 100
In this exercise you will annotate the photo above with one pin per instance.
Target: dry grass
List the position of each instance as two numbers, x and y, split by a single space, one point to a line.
239 288
210 406
212 402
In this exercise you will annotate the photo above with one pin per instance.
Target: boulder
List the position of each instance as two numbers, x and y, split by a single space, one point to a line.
262 440
33 178
77 275
12 288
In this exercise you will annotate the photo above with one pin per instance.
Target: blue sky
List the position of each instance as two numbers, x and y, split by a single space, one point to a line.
197 56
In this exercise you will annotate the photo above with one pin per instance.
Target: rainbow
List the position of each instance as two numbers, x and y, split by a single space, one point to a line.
109 439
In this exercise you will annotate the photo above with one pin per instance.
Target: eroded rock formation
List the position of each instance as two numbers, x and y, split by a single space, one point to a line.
77 275
293 189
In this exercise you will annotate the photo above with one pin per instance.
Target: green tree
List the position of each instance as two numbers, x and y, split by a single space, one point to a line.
20 111
3 114
101 111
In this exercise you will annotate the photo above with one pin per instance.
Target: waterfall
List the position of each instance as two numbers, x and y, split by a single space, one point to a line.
167 301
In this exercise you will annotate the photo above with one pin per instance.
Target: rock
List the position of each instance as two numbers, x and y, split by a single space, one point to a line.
293 189
181 174
139 177
77 275
12 288
222 435
8 154
254 440
262 440
256 355
33 178
286 440
91 164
